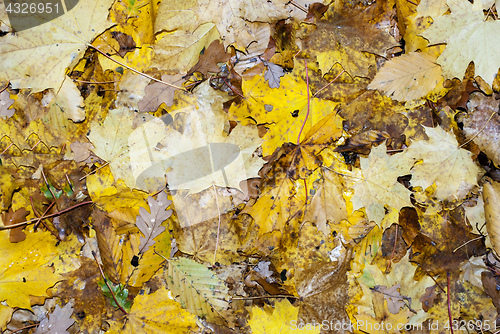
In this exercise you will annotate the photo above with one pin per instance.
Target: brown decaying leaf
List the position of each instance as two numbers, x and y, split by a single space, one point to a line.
158 93
210 57
125 41
13 217
483 124
89 301
323 289
149 223
393 297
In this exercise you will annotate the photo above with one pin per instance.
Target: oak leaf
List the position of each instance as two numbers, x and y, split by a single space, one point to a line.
57 322
273 74
149 223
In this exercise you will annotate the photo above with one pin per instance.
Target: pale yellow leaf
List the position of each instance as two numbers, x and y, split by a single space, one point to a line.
180 50
444 163
491 196
280 320
37 58
380 186
408 77
469 37
197 288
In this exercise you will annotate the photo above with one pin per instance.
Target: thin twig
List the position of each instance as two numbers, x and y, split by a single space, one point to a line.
233 89
298 6
48 186
218 224
107 284
92 172
478 238
94 82
328 84
6 148
134 70
305 120
43 217
41 221
308 104
262 297
25 327
449 303
480 130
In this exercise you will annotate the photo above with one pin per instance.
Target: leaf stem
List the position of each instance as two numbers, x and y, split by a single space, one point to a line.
134 70
262 297
43 217
449 304
308 104
107 284
328 84
41 221
25 327
218 224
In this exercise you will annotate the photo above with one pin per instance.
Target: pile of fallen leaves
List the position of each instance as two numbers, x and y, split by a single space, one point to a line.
251 167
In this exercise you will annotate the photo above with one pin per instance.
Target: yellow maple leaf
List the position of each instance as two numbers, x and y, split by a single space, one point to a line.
167 316
26 271
283 109
444 163
469 37
380 185
282 319
57 43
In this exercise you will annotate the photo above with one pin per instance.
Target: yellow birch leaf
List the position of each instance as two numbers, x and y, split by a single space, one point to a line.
154 314
26 270
408 77
280 320
491 195
197 288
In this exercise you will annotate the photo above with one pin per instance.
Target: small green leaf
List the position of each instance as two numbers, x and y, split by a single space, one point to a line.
47 191
120 292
